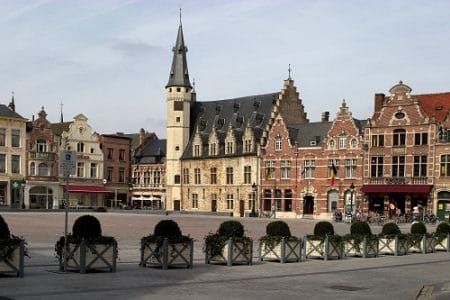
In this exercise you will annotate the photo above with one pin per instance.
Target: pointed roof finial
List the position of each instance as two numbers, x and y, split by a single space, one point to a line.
11 104
62 119
180 15
193 85
289 70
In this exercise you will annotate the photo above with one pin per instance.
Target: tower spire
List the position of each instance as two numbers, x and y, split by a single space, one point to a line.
62 119
179 75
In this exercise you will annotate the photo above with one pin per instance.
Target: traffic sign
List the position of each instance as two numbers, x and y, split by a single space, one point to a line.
68 162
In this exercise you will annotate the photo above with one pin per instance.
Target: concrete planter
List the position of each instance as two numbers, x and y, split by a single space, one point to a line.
169 254
84 257
13 264
327 248
234 252
283 251
442 243
393 245
368 247
421 244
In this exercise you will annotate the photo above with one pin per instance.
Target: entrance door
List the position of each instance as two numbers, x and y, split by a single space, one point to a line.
241 208
176 205
308 207
213 205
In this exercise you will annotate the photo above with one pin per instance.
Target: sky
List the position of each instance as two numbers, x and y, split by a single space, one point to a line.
110 59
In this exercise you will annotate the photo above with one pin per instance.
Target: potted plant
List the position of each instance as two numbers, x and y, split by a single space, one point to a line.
12 251
86 248
360 241
278 243
167 247
442 237
323 243
392 241
419 240
228 245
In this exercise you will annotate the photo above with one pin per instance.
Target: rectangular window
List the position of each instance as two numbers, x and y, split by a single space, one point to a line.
122 154
2 163
212 149
156 178
278 143
421 138
376 166
285 169
270 169
398 166
350 168
399 137
194 200
109 174
248 145
197 178
230 201
146 178
377 140
121 174
197 150
93 170
342 142
213 176
2 136
15 164
80 169
176 179
110 152
445 165
334 162
229 175
137 177
80 147
229 147
247 174
185 176
251 200
310 168
420 166
15 137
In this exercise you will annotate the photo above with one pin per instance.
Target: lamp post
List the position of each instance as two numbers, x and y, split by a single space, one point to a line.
254 188
352 190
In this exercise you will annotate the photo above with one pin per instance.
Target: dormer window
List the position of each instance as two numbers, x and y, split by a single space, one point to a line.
229 149
212 149
248 145
197 150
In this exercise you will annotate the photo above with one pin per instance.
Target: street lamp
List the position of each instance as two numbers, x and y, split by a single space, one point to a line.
254 188
352 190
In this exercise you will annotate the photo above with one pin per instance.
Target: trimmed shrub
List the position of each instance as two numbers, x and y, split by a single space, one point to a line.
443 229
231 229
167 228
87 227
323 228
360 228
418 228
4 230
278 228
390 229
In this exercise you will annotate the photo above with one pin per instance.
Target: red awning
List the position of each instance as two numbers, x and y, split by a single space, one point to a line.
79 188
395 188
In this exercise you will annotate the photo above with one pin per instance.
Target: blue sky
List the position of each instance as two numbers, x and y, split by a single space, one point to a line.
110 59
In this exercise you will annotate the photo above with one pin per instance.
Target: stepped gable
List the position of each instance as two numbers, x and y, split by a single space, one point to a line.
235 114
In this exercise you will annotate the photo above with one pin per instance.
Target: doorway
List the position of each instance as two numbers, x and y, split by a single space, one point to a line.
308 206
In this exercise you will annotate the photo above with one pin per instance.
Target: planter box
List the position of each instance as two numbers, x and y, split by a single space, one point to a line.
84 257
393 246
283 251
170 254
442 244
325 249
233 252
14 264
368 247
426 244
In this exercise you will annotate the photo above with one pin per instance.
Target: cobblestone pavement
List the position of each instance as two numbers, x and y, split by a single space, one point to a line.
385 277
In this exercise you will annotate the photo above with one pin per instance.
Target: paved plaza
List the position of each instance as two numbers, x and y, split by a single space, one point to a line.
385 277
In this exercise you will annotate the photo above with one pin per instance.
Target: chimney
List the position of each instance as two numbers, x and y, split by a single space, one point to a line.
379 99
141 136
326 116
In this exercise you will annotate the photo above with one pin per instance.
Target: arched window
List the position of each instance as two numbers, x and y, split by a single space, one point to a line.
43 169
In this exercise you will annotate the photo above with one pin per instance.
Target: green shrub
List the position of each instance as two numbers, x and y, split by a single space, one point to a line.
323 228
360 228
87 227
4 230
278 228
390 229
231 229
443 229
418 228
167 228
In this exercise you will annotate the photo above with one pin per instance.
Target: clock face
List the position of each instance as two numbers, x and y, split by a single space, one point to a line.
400 115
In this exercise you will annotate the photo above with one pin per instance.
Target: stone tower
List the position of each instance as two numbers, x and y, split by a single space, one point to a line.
179 99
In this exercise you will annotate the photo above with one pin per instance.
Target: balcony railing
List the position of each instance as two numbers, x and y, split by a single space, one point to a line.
42 155
149 185
398 180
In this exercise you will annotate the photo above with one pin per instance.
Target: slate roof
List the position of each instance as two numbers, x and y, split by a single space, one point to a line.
152 152
303 134
221 114
6 112
58 128
179 75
